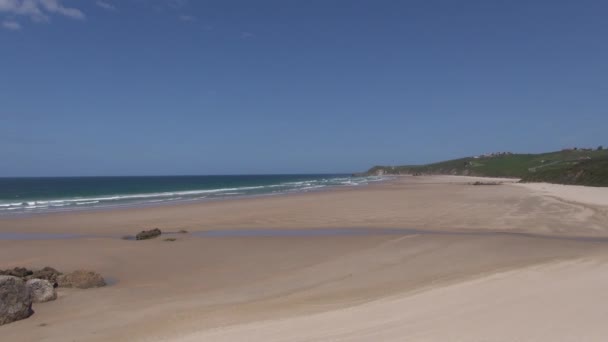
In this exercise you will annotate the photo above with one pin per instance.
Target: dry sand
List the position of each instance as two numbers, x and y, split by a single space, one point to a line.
490 263
573 193
557 302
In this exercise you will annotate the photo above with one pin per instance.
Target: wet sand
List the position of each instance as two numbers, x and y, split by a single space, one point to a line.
462 261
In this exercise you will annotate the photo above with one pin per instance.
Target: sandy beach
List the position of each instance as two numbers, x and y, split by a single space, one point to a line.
524 262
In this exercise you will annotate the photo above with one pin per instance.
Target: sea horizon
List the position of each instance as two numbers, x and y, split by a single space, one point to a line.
193 175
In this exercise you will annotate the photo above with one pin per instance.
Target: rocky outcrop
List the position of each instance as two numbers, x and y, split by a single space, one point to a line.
41 290
81 279
148 234
486 183
47 273
15 299
19 272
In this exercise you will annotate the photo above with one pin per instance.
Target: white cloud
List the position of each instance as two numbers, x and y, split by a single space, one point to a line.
39 10
11 25
106 5
54 6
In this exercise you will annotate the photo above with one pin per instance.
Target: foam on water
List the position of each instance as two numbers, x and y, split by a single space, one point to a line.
26 205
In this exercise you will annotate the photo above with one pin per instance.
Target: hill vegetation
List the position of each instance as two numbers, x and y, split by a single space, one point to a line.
572 166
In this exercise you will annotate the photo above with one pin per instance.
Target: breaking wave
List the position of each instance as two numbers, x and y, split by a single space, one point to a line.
104 201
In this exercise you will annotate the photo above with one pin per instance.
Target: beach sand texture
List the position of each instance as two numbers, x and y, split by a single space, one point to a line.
487 263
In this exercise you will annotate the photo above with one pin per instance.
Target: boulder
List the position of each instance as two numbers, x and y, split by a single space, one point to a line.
47 273
41 290
15 299
148 234
19 272
81 279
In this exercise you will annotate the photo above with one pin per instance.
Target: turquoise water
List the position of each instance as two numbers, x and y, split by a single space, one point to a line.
33 195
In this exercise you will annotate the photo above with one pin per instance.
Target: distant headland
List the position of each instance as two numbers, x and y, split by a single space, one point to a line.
577 166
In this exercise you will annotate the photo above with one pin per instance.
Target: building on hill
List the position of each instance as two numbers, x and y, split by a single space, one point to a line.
493 154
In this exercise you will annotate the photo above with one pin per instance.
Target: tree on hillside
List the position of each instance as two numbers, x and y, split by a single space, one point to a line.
599 148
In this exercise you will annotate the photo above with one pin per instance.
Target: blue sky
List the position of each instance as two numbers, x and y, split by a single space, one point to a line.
232 87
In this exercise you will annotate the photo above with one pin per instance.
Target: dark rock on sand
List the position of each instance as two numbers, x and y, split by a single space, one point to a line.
148 234
81 279
47 273
19 272
41 290
15 299
487 183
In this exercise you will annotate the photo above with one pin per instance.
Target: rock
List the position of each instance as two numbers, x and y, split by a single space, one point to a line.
81 279
41 290
19 272
47 273
15 299
148 234
487 183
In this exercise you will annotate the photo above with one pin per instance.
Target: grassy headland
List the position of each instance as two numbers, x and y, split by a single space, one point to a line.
572 166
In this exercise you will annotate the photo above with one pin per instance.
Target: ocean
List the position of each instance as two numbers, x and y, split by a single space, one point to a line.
36 195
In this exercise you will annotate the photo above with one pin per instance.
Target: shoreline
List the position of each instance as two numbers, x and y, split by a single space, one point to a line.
574 193
228 196
167 204
176 216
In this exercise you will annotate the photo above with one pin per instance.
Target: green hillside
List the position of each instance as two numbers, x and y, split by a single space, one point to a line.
593 172
580 166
